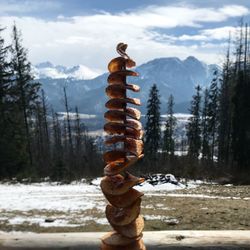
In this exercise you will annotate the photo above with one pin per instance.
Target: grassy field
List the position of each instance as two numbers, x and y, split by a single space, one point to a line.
207 207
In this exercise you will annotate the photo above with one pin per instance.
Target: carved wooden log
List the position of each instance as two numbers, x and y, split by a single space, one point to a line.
125 130
154 240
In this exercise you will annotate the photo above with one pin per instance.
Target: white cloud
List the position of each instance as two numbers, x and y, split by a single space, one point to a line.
91 39
219 33
209 34
234 10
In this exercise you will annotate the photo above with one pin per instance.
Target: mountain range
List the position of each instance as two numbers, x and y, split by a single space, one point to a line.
87 90
48 70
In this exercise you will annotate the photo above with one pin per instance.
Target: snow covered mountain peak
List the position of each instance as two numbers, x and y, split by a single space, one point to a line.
78 72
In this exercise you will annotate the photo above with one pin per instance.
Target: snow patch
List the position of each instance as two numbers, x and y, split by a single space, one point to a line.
49 197
166 219
205 196
72 116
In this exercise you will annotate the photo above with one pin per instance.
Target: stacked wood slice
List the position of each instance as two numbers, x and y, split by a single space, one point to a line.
125 138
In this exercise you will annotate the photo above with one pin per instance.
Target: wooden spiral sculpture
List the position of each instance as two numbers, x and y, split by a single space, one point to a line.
125 130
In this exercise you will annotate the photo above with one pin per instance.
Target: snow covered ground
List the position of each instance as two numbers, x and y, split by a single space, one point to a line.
73 197
80 204
34 203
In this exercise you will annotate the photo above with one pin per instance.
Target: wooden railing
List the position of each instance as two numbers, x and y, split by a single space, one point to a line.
205 240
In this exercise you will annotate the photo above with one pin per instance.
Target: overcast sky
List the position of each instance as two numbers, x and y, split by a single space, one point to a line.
71 32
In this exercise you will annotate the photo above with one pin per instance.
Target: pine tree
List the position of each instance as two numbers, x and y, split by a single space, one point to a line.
37 142
45 120
68 135
91 156
5 77
8 141
66 154
225 111
168 138
78 143
205 127
213 114
78 133
241 104
59 169
194 126
234 112
40 138
25 89
152 128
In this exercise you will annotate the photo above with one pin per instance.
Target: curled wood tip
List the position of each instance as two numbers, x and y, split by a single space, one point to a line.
121 49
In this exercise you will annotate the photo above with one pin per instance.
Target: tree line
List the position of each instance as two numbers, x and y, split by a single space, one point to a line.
35 141
218 130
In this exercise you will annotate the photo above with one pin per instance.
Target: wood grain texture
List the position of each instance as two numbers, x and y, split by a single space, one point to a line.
205 240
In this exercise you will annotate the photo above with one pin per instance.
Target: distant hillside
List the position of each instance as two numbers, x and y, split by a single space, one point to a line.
172 76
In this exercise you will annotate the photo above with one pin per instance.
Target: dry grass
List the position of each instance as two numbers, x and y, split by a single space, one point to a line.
218 190
200 214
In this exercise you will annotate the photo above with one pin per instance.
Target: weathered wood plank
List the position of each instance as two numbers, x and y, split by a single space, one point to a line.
206 240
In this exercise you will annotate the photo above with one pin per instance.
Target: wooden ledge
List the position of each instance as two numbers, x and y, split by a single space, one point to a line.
209 240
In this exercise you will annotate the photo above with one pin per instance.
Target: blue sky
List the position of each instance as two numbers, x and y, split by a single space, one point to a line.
71 32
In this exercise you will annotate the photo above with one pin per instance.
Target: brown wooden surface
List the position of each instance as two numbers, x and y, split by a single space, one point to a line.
153 240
